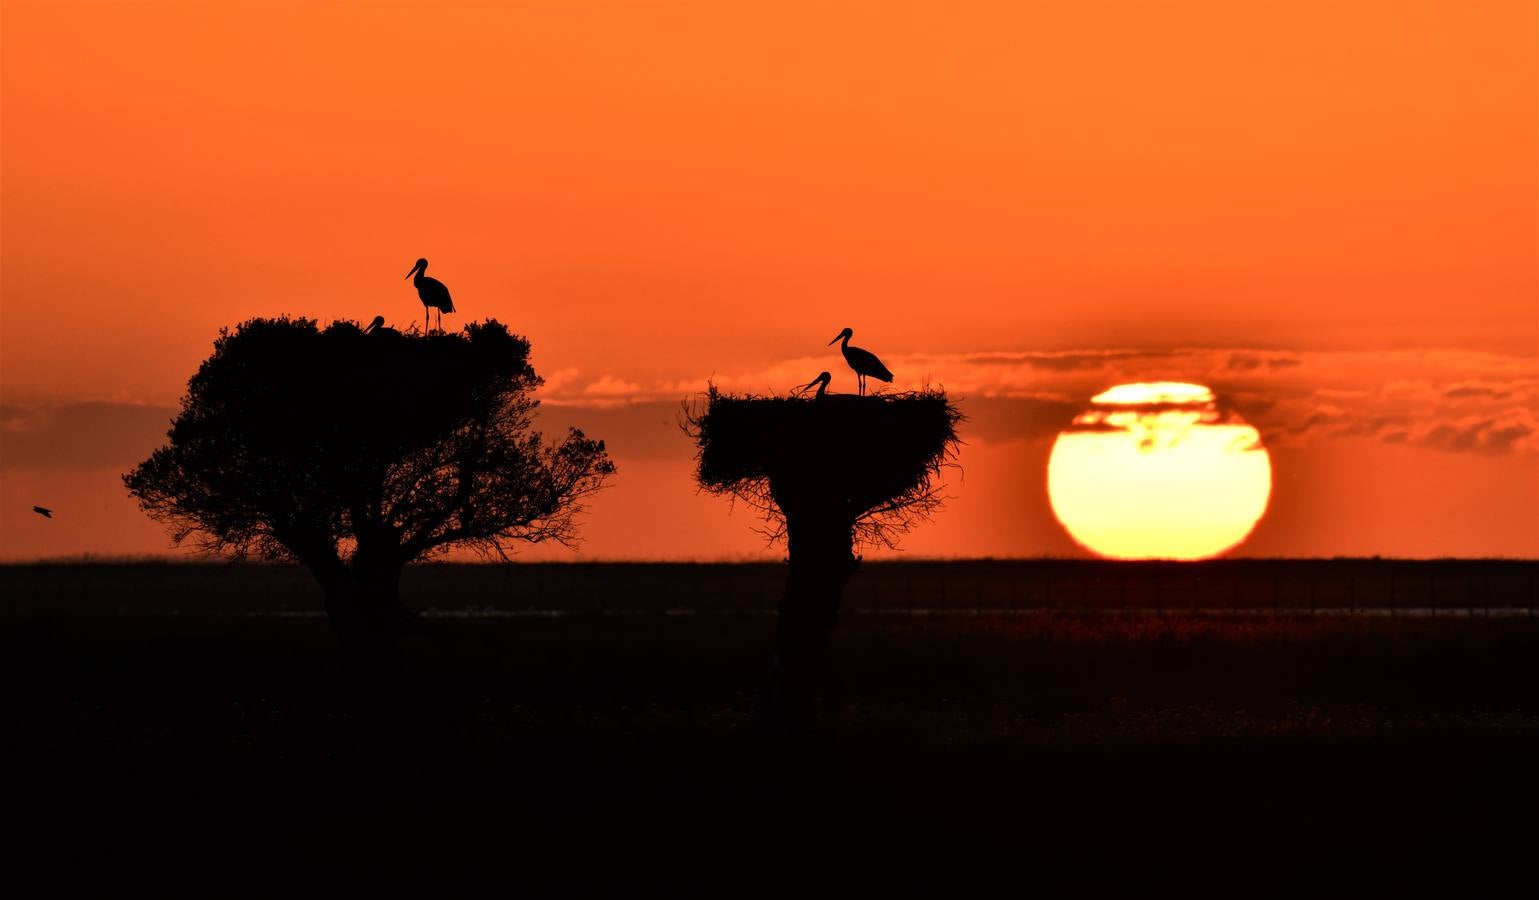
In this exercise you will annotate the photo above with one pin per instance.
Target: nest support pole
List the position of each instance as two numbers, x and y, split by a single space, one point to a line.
828 465
820 535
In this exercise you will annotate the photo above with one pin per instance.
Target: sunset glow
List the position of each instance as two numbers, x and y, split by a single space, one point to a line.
1326 212
1158 470
610 443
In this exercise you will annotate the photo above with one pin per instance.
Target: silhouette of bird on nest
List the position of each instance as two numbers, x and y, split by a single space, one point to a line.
378 327
43 511
864 362
431 292
821 381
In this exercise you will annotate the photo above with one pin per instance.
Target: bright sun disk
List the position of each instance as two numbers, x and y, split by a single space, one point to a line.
1158 470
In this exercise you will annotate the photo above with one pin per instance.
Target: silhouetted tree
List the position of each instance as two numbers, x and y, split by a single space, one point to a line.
356 453
830 474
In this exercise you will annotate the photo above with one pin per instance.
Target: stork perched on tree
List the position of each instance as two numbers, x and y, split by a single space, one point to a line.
432 293
864 362
821 381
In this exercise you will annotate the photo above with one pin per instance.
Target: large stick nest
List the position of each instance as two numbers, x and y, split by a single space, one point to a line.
878 459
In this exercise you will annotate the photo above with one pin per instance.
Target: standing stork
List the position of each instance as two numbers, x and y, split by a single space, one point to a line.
821 381
432 293
864 362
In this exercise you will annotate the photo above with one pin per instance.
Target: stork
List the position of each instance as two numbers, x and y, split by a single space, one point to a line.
864 362
378 327
821 381
432 293
43 511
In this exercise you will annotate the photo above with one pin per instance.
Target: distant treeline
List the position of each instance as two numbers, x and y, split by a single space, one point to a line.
722 588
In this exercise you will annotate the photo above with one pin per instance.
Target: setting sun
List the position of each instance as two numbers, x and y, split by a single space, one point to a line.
1158 470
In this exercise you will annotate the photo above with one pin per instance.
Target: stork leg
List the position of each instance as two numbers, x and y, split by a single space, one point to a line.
427 319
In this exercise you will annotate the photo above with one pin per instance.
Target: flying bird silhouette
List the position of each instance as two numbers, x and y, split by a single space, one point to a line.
43 511
431 292
821 381
864 362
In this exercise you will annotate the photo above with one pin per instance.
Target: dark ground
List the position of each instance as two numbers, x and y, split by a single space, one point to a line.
1059 752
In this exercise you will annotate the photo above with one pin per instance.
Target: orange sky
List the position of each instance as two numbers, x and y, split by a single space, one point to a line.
660 192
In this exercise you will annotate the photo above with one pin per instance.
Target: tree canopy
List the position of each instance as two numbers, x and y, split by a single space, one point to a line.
348 451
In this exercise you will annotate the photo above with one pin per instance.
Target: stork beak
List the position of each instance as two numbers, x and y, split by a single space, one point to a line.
836 339
412 272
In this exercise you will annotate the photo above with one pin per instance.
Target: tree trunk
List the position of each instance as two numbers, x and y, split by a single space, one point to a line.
362 600
362 604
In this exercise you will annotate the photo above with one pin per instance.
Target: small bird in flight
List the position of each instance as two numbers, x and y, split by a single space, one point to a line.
43 511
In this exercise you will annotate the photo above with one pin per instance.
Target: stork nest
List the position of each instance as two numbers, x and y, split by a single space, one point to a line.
880 457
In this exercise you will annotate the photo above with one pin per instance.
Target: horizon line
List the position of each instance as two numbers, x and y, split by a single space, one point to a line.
154 559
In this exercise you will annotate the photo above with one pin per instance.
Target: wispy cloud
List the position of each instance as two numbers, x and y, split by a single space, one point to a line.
81 434
1458 402
559 381
610 387
1450 400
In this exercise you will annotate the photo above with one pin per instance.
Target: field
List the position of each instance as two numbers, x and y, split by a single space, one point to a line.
1074 728
1450 587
